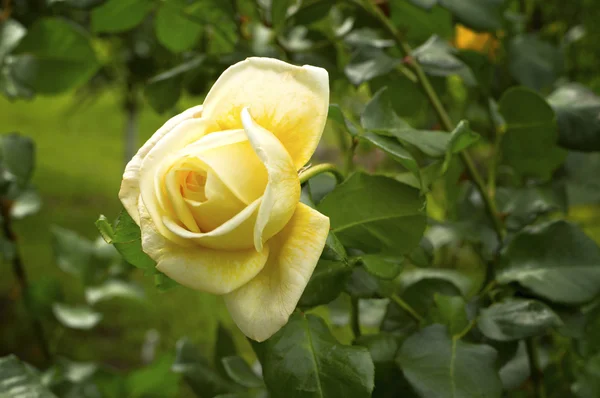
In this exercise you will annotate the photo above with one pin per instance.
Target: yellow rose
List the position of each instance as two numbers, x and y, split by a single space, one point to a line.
466 39
216 192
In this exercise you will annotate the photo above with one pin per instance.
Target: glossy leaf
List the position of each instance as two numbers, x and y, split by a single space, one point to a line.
534 63
451 311
128 241
529 144
76 317
516 319
26 204
54 56
438 365
239 371
173 29
367 63
303 359
480 15
555 260
578 115
18 379
375 213
381 266
438 58
119 15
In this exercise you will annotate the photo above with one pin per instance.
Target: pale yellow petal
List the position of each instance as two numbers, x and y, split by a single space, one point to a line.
263 305
212 271
282 192
289 101
130 186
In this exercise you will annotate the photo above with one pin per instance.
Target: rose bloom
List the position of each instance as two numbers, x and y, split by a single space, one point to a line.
216 192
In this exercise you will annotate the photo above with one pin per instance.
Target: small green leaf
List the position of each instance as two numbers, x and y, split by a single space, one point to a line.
367 63
451 312
418 23
303 360
529 144
534 63
438 58
437 365
128 241
480 15
197 372
577 109
240 372
11 33
392 147
76 317
54 56
119 15
18 379
555 260
173 29
337 115
375 213
279 10
18 157
312 12
113 289
381 266
379 114
516 320
224 347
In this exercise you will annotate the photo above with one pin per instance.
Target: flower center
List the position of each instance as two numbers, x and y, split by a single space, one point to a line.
192 184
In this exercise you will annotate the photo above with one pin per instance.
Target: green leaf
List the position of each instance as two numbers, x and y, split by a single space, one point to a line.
329 277
279 10
451 311
581 175
73 253
426 4
533 62
529 144
379 114
18 157
105 229
439 366
162 282
163 90
128 241
363 284
81 4
76 317
392 147
26 204
367 63
224 347
337 115
420 24
119 15
480 15
577 111
303 359
239 371
375 213
555 260
517 319
198 374
156 377
312 12
438 58
524 205
381 266
18 379
173 29
11 33
54 56
111 289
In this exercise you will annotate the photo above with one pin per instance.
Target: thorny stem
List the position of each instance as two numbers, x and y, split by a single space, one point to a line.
319 169
21 276
439 109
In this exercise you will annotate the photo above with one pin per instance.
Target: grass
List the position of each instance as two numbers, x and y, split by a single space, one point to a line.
78 172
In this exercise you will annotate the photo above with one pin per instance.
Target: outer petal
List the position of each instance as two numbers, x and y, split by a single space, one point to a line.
130 186
282 193
212 271
288 100
263 305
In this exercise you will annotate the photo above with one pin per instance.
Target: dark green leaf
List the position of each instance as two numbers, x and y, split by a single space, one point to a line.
581 174
11 33
128 241
362 284
76 317
197 372
18 157
54 56
41 294
440 366
173 29
420 24
336 114
381 266
480 15
119 15
427 4
533 62
379 113
375 213
555 260
451 311
438 58
279 10
303 359
239 371
517 319
524 205
312 12
392 147
224 347
529 144
18 379
578 114
367 63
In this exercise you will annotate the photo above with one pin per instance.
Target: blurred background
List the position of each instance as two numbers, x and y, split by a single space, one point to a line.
88 81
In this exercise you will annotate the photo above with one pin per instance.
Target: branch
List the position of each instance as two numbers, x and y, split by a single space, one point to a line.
537 376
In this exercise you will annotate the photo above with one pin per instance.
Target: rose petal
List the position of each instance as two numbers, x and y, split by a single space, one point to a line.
212 271
130 186
282 193
263 305
288 100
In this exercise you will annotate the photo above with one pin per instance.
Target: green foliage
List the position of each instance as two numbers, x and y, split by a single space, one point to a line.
19 379
119 15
